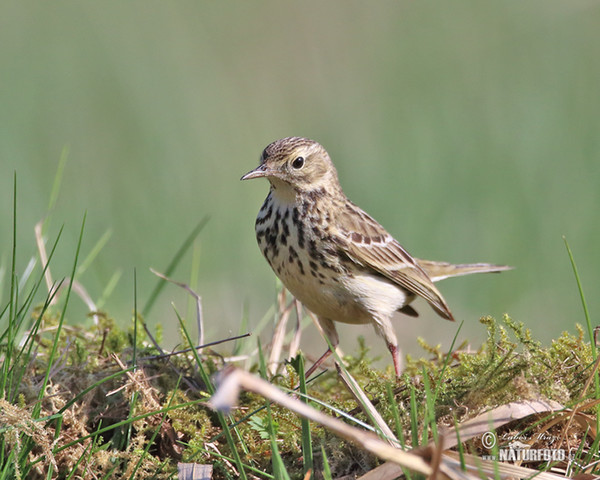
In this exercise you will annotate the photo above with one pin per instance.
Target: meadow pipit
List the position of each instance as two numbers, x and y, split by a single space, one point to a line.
333 257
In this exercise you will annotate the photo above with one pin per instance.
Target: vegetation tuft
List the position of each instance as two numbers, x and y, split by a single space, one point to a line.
85 398
103 417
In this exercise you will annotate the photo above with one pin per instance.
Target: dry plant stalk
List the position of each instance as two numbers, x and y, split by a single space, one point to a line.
232 380
279 334
504 470
366 405
77 287
495 418
197 298
486 422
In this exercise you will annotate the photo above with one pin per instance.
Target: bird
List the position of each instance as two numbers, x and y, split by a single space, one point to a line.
337 260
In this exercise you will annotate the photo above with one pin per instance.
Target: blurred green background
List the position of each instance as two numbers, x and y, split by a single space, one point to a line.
469 129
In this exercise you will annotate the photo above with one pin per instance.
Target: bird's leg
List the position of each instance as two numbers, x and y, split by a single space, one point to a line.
383 326
330 332
395 351
318 363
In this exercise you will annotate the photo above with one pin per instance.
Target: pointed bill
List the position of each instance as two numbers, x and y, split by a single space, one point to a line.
259 172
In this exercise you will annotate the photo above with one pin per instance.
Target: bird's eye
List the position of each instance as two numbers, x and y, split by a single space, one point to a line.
298 163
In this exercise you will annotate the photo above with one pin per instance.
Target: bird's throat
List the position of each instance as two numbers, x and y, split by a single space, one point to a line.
283 193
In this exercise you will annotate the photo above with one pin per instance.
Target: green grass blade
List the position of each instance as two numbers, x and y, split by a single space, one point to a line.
135 396
440 378
307 452
18 369
108 289
96 249
238 344
211 390
64 155
52 354
279 470
26 275
414 420
8 470
135 319
429 419
395 413
326 468
85 453
586 312
459 445
397 422
588 322
50 472
10 333
172 265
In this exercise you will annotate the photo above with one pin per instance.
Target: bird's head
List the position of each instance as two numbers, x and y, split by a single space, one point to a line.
296 164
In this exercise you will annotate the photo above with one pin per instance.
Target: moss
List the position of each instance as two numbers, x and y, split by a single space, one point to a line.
509 366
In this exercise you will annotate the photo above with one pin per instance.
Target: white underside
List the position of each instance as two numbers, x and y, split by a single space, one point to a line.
376 294
359 299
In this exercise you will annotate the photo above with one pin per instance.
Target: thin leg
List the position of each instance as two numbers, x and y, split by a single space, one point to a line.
395 351
383 326
318 363
330 332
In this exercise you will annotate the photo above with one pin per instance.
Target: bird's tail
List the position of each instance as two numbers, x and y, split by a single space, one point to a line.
440 270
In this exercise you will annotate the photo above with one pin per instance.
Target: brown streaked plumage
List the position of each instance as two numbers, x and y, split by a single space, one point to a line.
331 255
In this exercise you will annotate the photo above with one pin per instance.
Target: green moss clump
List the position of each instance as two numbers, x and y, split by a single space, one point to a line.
509 366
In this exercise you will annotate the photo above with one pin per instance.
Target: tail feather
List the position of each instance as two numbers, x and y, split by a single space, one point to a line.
440 270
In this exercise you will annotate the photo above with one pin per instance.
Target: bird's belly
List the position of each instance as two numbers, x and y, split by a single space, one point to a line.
354 299
377 295
328 299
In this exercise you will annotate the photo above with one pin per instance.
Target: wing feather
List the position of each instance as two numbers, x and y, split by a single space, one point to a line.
368 244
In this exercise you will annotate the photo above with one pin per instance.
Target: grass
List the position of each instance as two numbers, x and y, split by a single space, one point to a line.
98 401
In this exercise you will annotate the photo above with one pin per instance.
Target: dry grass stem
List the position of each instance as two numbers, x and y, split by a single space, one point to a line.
233 380
366 405
279 334
496 417
197 298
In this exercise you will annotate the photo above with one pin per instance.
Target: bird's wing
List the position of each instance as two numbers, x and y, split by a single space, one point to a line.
440 270
368 244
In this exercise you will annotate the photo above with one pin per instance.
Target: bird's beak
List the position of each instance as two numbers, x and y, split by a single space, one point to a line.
258 172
